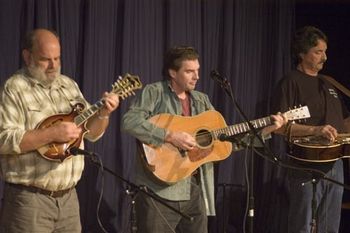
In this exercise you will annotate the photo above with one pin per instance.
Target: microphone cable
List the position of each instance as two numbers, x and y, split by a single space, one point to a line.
97 159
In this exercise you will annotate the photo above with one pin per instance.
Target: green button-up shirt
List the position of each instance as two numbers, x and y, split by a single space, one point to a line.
155 99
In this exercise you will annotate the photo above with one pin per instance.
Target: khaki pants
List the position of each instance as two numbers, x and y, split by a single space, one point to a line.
29 212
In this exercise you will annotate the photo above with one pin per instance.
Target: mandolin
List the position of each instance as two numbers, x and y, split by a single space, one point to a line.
58 152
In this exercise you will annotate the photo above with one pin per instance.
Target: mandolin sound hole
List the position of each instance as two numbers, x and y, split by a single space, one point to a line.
204 138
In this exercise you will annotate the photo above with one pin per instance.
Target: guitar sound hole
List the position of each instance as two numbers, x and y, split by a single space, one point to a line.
204 138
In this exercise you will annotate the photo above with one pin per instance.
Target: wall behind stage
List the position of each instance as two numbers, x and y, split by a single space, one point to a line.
247 41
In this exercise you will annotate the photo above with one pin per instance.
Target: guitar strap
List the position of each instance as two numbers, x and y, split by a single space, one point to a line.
335 83
332 104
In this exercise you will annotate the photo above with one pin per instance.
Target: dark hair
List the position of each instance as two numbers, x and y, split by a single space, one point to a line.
174 57
29 38
304 39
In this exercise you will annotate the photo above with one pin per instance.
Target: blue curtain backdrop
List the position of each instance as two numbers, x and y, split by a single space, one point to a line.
246 40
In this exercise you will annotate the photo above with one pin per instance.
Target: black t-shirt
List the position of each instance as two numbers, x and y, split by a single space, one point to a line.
322 99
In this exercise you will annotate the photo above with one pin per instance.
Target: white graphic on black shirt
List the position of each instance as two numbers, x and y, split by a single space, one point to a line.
333 92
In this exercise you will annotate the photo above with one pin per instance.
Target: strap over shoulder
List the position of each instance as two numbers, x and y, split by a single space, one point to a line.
335 83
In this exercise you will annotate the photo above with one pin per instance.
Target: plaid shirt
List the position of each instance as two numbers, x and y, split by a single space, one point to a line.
25 103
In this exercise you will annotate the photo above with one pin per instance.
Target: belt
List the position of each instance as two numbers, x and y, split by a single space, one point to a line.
54 194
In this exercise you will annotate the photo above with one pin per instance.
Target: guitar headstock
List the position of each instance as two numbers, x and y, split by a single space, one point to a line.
298 113
126 85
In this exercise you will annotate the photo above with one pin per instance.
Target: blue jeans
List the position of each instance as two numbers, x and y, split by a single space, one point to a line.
328 201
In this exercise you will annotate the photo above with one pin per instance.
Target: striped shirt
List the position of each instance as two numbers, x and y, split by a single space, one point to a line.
24 104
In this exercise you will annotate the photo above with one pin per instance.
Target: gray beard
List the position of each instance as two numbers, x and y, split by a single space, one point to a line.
39 75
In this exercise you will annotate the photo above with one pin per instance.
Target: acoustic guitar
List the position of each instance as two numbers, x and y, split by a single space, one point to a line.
170 164
58 152
318 149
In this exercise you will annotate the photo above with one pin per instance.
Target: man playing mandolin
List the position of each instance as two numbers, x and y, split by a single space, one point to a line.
193 195
329 117
39 194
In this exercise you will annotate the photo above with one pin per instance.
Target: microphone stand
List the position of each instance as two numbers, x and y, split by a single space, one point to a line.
225 84
251 201
316 177
142 188
313 207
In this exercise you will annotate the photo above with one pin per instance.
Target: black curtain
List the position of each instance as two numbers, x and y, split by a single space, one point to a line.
246 40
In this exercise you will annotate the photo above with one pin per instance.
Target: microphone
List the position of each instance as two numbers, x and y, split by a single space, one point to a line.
223 137
76 151
215 75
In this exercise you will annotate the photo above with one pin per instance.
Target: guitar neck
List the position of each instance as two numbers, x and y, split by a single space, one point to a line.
86 114
242 127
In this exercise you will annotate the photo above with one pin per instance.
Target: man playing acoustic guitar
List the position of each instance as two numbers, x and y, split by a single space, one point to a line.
39 194
194 194
329 117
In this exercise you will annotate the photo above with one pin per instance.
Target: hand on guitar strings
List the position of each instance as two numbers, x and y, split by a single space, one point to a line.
65 131
326 131
181 140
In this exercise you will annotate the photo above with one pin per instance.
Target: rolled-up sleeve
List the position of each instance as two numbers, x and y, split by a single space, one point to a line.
11 122
135 120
